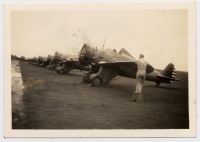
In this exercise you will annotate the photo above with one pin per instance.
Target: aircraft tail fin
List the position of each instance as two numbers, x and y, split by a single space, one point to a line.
170 72
124 51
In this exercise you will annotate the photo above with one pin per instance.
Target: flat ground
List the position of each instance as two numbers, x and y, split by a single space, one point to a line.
53 101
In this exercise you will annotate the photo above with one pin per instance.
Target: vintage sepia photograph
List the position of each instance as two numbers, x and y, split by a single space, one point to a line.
100 70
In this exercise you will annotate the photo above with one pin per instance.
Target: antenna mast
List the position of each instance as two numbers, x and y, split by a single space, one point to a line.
104 41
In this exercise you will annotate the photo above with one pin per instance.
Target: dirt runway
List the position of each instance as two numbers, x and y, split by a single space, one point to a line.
53 101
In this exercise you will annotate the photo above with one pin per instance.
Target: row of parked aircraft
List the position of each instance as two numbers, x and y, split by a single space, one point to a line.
62 63
102 65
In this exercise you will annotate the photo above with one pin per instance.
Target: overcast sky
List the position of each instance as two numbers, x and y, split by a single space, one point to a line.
161 35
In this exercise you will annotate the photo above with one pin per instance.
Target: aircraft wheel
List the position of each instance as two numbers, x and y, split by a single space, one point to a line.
61 71
97 81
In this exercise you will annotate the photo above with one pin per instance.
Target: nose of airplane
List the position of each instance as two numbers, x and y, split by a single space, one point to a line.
85 54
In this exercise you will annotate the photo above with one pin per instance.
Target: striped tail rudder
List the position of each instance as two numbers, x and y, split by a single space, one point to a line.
173 75
170 72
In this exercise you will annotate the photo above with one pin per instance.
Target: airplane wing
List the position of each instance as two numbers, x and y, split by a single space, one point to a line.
132 65
118 62
70 61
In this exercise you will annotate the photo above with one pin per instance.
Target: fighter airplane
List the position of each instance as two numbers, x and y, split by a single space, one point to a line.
107 64
65 66
54 62
40 61
33 61
46 61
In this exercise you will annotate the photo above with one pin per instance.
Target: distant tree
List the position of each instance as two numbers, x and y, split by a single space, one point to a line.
13 57
23 58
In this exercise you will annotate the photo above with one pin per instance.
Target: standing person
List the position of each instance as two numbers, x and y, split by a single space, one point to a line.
141 73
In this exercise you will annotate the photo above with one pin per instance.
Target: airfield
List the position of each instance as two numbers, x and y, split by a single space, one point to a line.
54 101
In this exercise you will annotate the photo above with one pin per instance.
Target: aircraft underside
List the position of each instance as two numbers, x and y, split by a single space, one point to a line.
105 74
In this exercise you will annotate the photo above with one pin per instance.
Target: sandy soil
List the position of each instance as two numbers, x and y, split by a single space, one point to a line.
53 101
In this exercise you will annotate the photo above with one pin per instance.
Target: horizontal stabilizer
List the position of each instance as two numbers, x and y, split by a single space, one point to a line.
167 79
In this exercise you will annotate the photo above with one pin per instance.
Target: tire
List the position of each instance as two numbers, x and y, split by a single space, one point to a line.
61 71
97 81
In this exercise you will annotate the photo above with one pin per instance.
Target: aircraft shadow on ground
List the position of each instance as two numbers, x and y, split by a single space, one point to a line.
71 74
162 87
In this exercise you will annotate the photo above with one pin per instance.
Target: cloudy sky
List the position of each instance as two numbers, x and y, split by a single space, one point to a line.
161 35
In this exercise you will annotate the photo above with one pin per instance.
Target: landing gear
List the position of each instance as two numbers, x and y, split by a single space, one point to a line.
86 81
53 68
97 81
61 71
157 84
68 69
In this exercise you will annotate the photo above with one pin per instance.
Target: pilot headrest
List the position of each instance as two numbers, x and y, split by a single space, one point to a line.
141 56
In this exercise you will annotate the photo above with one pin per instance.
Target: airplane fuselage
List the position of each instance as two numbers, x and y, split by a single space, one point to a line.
131 73
94 55
111 64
